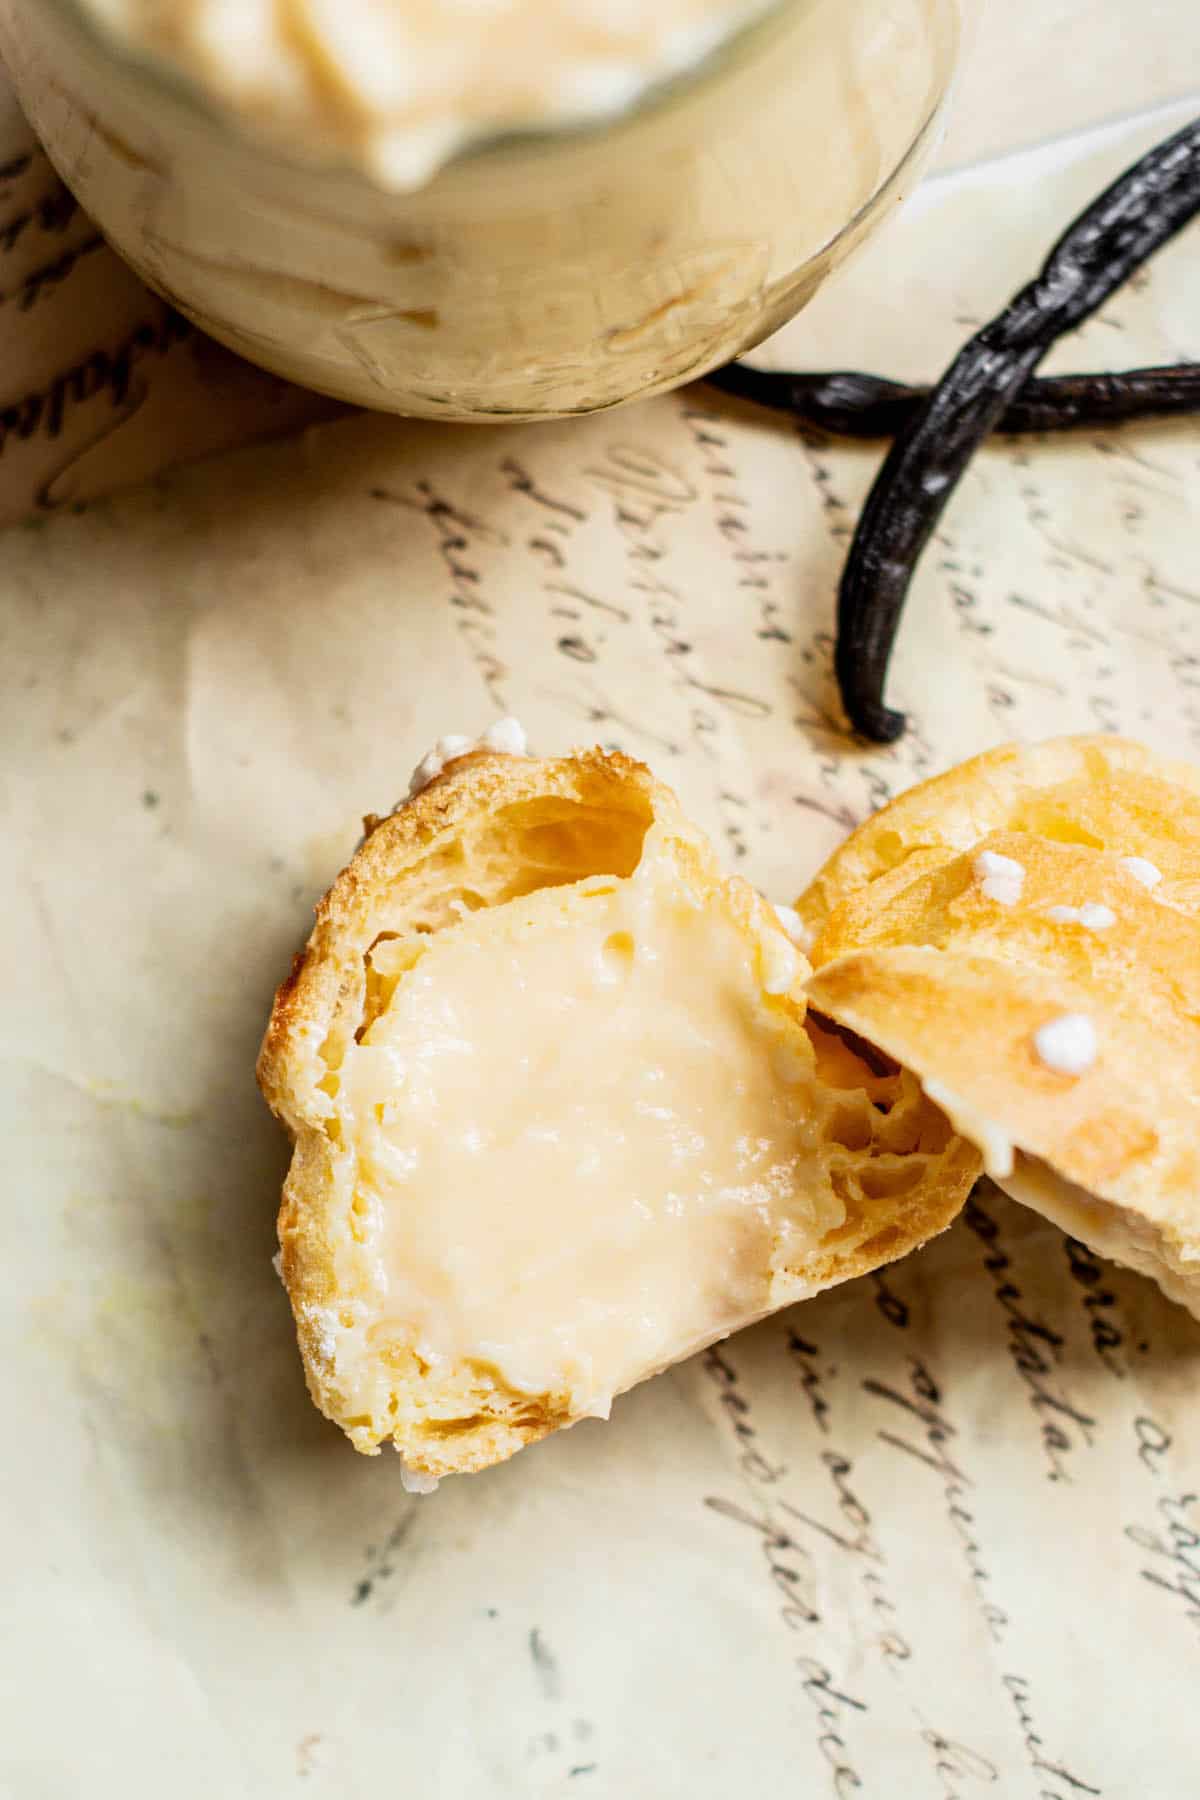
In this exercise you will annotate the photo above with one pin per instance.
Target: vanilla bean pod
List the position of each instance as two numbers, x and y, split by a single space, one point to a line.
1112 239
852 405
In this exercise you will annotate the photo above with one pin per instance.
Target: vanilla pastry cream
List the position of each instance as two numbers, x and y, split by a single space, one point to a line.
1112 1231
399 85
591 1146
560 1117
482 209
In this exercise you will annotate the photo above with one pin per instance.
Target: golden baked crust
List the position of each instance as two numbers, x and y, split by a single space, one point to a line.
494 829
914 953
1109 792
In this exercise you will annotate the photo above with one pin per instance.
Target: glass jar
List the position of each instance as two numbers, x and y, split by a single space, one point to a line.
532 276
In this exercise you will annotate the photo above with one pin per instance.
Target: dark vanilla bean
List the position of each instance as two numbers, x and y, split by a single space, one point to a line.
1135 216
848 404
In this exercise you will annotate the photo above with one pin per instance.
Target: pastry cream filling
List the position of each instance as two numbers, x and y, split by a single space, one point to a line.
583 1135
402 84
1122 1236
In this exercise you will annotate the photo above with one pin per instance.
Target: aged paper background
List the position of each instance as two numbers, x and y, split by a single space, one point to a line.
936 1534
102 385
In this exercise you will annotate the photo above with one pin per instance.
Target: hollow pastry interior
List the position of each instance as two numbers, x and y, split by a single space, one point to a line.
560 1117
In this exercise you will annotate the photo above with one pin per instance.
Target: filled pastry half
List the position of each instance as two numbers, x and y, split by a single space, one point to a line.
560 1114
1022 934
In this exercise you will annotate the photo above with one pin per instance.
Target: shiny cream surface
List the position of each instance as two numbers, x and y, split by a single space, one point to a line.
583 1136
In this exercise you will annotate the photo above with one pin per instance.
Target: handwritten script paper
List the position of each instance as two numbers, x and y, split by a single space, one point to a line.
933 1535
102 384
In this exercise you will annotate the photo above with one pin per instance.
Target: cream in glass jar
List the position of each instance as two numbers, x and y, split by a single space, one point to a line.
470 209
